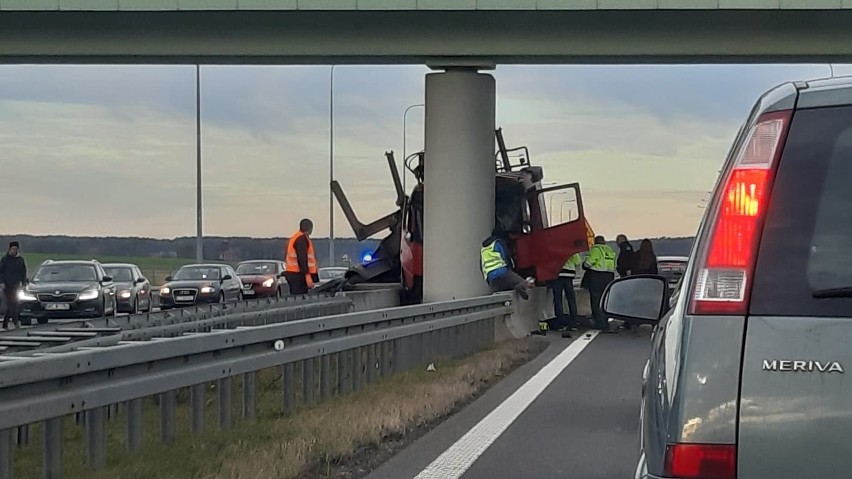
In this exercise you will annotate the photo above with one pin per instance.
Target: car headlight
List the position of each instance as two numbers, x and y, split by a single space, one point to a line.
268 283
207 290
125 294
165 290
89 295
26 296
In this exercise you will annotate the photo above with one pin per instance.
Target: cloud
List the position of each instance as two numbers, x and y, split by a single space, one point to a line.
110 150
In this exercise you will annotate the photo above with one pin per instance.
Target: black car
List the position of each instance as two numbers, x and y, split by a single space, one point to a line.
133 290
67 289
201 284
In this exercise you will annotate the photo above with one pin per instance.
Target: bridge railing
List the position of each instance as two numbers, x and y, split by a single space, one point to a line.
312 356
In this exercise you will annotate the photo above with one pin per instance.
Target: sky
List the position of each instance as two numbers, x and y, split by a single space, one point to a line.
111 150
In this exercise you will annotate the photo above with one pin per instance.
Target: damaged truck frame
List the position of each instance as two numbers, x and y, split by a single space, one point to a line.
539 244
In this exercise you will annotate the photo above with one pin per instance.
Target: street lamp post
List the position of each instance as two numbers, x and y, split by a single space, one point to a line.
404 138
199 242
331 261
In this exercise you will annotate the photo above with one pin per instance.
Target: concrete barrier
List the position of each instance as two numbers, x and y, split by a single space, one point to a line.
538 308
366 297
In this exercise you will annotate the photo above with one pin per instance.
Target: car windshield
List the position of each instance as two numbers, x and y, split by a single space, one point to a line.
65 272
192 273
326 274
120 275
256 268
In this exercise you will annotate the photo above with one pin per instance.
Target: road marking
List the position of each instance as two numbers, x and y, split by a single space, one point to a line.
456 460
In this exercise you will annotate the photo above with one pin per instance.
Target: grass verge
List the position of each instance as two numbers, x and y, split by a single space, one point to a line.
344 437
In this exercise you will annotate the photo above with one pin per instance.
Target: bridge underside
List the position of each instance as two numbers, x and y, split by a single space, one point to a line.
424 37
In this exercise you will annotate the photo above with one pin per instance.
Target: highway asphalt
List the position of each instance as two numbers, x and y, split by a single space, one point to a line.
583 425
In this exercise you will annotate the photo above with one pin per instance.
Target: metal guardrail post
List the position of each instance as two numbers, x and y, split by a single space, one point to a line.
96 437
357 369
197 407
385 358
372 365
52 448
6 454
168 429
325 377
308 384
397 361
249 396
342 373
23 435
223 387
288 383
134 425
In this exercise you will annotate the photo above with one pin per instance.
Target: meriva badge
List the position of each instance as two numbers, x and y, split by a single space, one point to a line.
795 366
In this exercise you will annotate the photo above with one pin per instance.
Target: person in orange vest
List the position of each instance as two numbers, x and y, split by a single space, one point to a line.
301 270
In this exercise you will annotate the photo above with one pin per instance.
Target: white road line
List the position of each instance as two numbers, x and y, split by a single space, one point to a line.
456 460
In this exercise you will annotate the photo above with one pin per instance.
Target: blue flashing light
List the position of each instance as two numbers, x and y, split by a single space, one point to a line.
366 257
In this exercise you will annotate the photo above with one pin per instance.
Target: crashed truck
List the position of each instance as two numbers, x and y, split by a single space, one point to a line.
542 234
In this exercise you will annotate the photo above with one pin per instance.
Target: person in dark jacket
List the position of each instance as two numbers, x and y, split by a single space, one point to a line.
626 256
13 276
646 259
645 262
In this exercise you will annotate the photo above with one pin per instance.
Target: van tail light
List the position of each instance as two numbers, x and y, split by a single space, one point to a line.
701 461
722 283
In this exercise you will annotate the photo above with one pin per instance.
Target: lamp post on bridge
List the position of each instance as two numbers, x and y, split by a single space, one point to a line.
199 240
404 138
331 261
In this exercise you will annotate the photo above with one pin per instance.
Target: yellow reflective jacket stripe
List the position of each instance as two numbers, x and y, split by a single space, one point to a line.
491 259
601 258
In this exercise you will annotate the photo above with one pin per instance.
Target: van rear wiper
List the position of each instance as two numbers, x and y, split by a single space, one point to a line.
844 292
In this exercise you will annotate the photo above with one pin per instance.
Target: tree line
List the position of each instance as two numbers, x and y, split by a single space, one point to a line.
215 247
233 248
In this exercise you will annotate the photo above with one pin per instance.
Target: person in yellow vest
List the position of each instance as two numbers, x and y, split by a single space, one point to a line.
600 271
301 270
563 285
496 265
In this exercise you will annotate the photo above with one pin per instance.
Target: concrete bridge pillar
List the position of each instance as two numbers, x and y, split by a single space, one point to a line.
458 181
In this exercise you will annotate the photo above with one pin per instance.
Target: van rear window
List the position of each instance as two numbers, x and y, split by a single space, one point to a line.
804 266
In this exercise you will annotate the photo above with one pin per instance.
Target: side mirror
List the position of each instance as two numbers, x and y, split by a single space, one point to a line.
637 298
169 279
227 277
106 279
140 280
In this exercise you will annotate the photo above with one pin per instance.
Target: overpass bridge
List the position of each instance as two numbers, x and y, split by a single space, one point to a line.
424 31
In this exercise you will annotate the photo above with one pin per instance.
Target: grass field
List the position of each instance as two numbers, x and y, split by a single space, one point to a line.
156 269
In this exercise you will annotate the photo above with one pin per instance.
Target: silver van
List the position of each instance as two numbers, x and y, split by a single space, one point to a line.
747 371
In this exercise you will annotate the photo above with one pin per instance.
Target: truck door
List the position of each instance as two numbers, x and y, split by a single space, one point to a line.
557 230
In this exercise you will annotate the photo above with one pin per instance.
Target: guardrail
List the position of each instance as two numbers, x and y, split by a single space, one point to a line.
45 335
363 346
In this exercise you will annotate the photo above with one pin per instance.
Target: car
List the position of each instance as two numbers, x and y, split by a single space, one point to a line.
133 290
330 273
263 278
67 289
746 374
197 284
672 268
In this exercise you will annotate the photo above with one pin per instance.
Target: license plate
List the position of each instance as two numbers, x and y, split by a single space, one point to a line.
57 306
183 298
248 292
